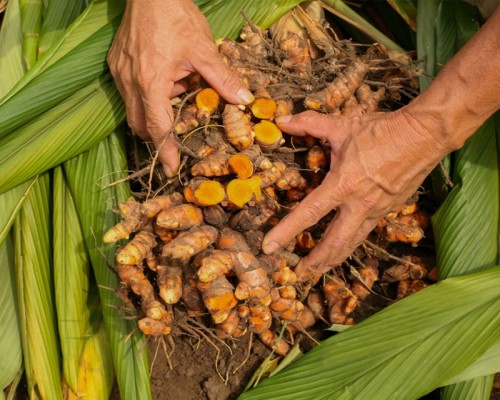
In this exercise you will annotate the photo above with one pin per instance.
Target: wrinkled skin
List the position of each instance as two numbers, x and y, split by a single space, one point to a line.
376 165
158 44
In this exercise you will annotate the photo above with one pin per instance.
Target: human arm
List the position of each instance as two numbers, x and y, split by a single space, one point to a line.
158 44
380 160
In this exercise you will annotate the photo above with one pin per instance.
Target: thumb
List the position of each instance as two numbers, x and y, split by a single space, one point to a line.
226 82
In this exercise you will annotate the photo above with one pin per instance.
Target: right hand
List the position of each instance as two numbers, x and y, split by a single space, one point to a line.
158 44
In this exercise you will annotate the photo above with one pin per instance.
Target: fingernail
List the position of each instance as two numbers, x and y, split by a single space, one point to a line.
270 247
283 119
168 171
245 96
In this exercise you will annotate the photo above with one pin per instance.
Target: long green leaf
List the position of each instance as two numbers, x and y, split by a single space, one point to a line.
71 279
225 19
10 338
74 71
475 389
61 133
35 292
93 18
466 225
87 176
12 202
31 21
402 352
487 364
59 14
11 49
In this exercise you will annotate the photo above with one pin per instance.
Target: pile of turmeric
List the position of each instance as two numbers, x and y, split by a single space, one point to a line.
196 246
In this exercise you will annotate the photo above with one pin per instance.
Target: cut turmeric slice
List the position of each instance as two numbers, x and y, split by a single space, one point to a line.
242 191
263 108
204 192
268 135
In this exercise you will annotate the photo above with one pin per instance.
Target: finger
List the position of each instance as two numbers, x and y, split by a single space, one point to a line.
309 211
343 235
159 118
133 106
168 154
222 79
179 88
308 123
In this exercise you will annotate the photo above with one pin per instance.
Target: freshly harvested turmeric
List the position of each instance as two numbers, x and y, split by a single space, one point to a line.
268 135
254 40
216 164
133 221
204 192
190 243
414 269
271 175
342 87
169 281
232 326
188 120
316 158
242 191
245 162
274 342
207 101
260 318
219 299
151 208
181 217
219 262
137 249
237 127
264 108
369 275
232 240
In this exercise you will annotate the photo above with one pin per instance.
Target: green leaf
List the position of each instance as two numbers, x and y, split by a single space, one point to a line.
59 14
62 132
426 40
403 352
487 364
466 225
475 389
77 69
87 176
12 202
71 279
31 22
10 334
35 293
407 10
11 49
225 19
456 22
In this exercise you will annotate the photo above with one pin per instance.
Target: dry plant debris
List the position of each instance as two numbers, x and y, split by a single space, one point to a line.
195 246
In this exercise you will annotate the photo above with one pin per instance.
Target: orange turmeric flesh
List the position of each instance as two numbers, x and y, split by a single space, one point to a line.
264 108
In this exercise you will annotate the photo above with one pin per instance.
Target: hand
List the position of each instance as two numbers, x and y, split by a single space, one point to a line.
158 44
377 163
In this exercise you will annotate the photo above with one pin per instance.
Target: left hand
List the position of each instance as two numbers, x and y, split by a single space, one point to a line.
377 162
